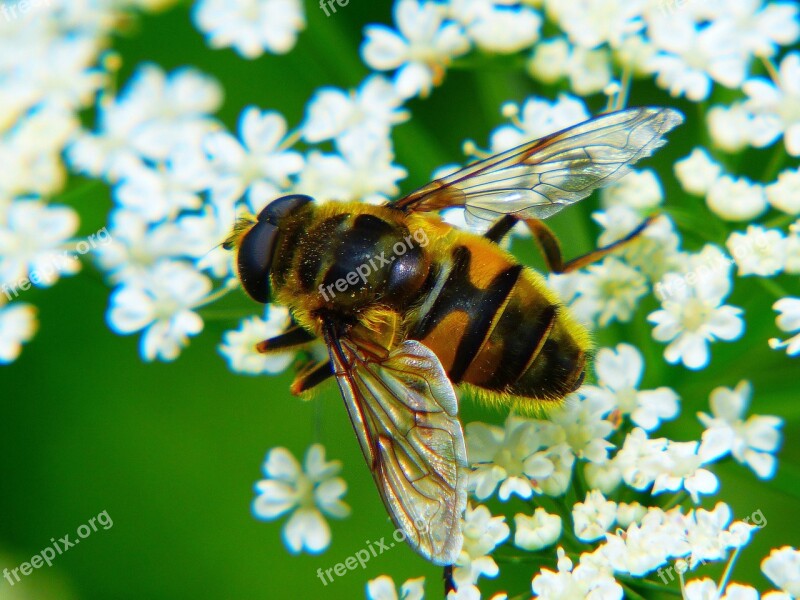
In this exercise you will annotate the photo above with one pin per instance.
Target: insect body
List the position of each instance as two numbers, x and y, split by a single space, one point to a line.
409 307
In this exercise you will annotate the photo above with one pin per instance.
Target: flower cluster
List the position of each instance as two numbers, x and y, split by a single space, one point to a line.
611 506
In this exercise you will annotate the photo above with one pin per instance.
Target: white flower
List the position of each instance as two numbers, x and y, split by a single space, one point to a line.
697 172
154 115
683 468
372 110
782 566
308 493
640 460
538 531
736 199
588 70
239 346
706 589
495 27
161 302
161 193
18 325
752 442
760 29
628 513
731 127
758 251
584 426
568 583
383 588
609 291
619 373
258 166
250 26
789 321
420 52
363 171
589 23
775 105
33 236
510 457
482 534
638 189
692 317
784 193
654 251
690 57
593 517
538 118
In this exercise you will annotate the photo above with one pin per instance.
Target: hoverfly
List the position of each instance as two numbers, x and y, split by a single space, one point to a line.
456 310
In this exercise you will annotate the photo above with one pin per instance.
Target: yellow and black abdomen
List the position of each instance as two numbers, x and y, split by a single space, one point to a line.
495 325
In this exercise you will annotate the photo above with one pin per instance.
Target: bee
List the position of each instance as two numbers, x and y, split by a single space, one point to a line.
410 307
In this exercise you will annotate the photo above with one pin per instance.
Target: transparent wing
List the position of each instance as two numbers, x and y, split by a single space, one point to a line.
537 179
405 414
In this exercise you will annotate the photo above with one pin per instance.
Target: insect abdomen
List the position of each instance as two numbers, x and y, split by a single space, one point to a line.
494 324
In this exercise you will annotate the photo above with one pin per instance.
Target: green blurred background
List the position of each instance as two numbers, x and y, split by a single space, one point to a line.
171 451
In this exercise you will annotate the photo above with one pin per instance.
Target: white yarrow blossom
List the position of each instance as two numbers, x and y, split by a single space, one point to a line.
690 57
608 291
697 172
482 534
782 566
537 118
753 442
239 346
420 52
776 105
538 531
758 251
593 517
372 110
512 457
495 27
309 492
250 26
784 193
160 302
736 199
18 325
568 583
33 238
383 588
619 373
692 316
258 166
789 321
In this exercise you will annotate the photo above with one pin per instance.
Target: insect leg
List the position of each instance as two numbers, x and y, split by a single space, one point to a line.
551 249
544 236
310 376
500 228
449 583
293 336
596 255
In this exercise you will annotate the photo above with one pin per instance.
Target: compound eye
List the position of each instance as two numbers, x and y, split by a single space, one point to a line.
255 258
278 209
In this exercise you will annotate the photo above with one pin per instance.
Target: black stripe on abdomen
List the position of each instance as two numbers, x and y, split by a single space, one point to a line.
480 306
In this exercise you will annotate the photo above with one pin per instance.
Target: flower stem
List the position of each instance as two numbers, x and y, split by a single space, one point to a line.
726 575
